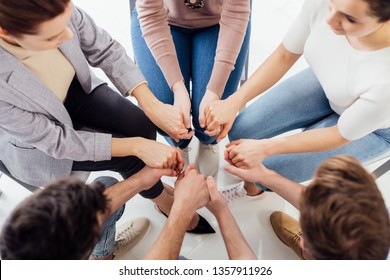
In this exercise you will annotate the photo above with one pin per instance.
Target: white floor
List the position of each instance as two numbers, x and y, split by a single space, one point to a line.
270 21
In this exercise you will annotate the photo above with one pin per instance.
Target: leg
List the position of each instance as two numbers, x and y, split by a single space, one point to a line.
153 74
301 167
294 103
203 52
121 118
105 247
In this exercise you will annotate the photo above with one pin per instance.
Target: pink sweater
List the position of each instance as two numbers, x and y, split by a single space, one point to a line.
232 15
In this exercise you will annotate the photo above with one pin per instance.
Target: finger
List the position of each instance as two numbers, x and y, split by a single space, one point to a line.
214 132
187 135
235 142
167 172
235 171
211 185
201 119
226 157
224 132
189 168
186 120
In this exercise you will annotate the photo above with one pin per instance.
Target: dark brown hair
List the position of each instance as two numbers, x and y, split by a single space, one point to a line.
58 222
20 17
343 214
380 9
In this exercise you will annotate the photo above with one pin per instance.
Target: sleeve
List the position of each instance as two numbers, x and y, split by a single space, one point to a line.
233 26
58 140
103 52
295 38
153 20
367 114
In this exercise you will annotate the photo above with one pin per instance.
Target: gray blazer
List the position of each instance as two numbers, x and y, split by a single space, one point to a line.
37 140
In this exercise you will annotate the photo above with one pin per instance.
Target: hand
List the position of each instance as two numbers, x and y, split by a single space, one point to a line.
170 120
217 201
191 189
257 173
182 102
207 99
245 153
158 155
149 176
220 116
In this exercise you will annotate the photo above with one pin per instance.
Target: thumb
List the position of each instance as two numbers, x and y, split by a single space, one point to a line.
201 120
211 185
186 119
167 172
235 171
224 132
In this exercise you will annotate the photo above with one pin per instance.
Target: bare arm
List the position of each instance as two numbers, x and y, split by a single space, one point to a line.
236 245
190 194
286 188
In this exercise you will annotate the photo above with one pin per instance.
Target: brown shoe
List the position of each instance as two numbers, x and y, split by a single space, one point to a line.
288 231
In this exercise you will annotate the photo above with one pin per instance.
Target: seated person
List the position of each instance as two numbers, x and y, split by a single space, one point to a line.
34 231
342 212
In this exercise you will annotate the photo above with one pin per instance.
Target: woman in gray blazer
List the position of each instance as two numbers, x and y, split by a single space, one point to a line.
56 116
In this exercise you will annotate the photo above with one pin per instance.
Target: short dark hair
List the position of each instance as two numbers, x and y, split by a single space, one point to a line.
343 214
20 17
58 222
380 9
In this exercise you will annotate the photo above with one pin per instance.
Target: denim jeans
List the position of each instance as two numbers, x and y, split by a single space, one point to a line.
300 103
195 50
106 244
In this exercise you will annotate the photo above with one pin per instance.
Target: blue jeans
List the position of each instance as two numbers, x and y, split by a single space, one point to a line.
195 50
106 244
300 103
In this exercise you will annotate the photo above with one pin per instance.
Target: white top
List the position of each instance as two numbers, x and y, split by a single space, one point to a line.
356 83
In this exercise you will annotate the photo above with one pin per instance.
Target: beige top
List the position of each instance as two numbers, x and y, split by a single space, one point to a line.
51 67
232 16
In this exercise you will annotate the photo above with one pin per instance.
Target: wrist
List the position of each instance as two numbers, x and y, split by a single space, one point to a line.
236 100
179 88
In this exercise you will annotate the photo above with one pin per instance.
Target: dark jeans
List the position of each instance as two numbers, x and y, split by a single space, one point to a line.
105 110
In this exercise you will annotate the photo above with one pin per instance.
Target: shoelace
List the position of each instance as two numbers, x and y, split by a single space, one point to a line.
296 238
234 193
127 234
213 148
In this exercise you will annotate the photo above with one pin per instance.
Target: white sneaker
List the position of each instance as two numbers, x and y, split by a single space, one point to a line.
129 234
207 159
185 154
236 192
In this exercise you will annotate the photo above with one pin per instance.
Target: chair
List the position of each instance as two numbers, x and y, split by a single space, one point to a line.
382 169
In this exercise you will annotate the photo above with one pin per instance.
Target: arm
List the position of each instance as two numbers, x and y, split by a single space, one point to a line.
250 152
120 193
190 194
236 245
224 112
286 188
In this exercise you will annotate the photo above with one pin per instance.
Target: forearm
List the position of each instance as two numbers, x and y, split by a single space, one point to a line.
121 147
168 244
145 97
269 73
316 140
123 191
286 188
236 245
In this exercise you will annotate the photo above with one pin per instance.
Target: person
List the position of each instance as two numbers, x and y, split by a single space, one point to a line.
342 212
340 102
57 117
192 53
46 225
193 191
41 226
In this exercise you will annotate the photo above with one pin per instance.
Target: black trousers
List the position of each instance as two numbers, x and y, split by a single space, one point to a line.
105 110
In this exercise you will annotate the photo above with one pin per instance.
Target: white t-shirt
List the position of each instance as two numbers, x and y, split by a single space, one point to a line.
356 83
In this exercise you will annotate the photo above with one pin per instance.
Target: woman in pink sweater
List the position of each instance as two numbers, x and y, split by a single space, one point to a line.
192 52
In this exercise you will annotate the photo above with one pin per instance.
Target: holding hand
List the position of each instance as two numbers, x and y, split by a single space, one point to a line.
149 176
207 99
191 189
158 155
220 116
217 201
183 103
246 153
